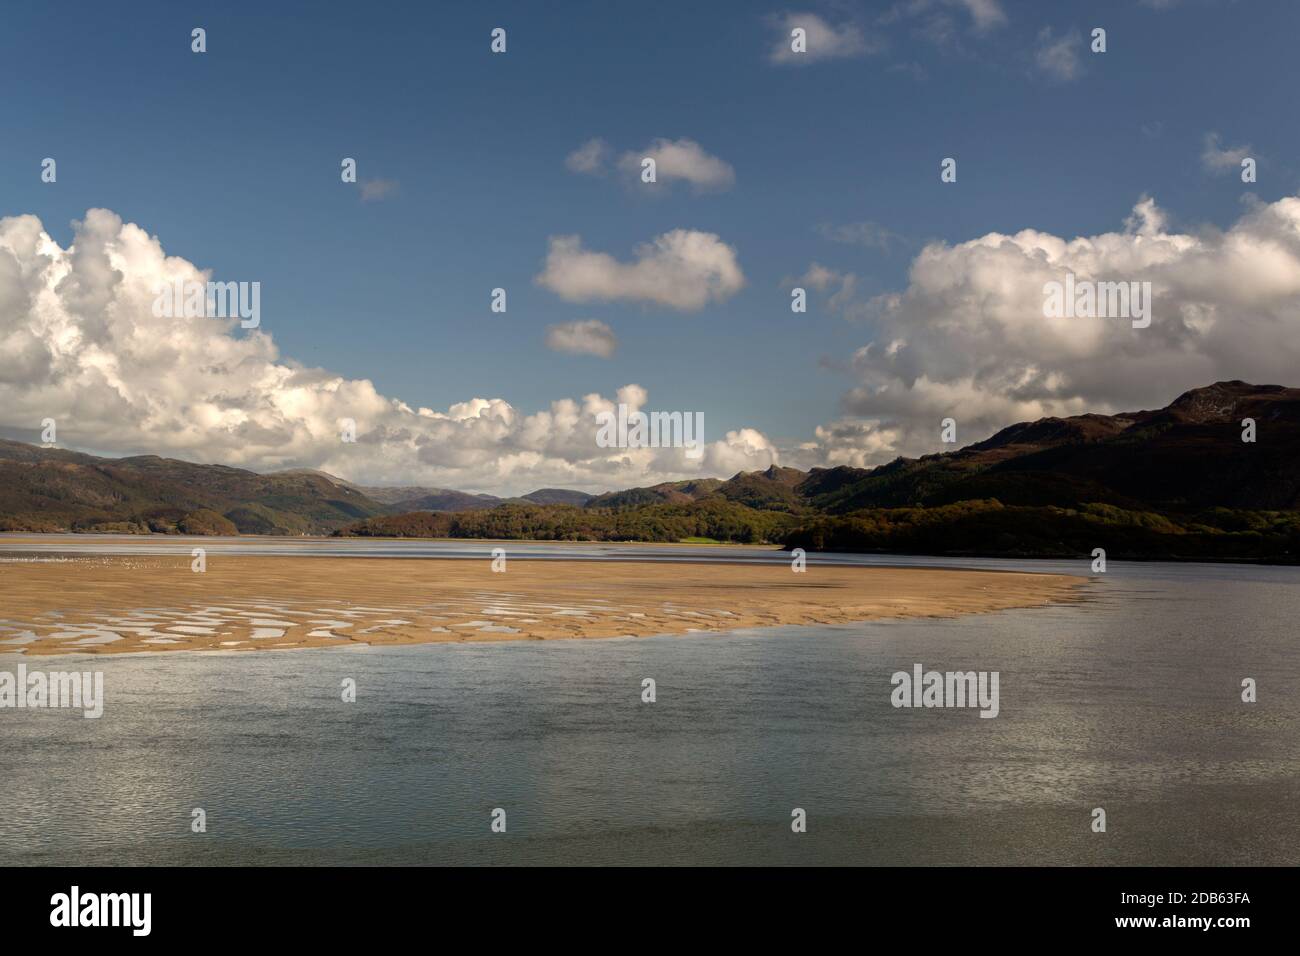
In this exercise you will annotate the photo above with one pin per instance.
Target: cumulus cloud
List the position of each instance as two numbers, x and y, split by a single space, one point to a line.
374 190
824 40
79 343
682 159
1216 159
1058 57
683 269
586 337
590 157
968 337
745 449
856 444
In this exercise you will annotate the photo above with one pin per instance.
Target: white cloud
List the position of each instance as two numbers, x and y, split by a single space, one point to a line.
868 234
824 40
590 157
968 338
1058 57
821 278
79 343
585 337
842 286
1216 159
937 26
683 269
986 14
857 444
682 159
374 190
742 450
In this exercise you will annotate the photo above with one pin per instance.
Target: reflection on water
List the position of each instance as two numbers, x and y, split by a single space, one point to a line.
1129 701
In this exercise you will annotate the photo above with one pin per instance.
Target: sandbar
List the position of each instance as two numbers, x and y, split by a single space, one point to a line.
119 604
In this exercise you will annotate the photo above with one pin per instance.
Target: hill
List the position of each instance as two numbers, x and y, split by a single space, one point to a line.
558 496
50 489
1182 458
1173 482
448 499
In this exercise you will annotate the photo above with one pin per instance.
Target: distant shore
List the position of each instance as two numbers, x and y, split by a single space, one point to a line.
125 603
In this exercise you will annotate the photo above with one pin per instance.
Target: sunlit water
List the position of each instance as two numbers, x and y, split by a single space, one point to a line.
1129 701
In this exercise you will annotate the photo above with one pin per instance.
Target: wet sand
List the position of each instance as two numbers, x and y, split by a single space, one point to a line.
117 604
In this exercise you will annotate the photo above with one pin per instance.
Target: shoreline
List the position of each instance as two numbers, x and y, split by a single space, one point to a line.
155 536
112 604
27 540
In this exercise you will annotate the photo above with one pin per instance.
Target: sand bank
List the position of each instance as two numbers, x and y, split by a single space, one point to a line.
120 604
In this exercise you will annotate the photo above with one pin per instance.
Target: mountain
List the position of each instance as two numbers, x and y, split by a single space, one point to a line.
1187 456
333 479
776 489
1177 481
447 499
50 489
672 492
558 496
397 494
444 499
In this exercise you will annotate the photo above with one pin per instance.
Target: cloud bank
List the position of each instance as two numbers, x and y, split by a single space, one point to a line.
968 338
79 343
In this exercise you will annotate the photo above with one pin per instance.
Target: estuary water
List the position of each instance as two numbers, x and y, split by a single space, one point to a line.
1129 702
15 545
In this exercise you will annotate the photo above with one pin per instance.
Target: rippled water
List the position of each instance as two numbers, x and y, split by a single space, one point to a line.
1129 701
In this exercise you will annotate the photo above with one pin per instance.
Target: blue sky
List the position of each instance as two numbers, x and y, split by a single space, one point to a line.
231 158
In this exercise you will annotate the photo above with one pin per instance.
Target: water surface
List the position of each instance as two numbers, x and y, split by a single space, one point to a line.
1129 701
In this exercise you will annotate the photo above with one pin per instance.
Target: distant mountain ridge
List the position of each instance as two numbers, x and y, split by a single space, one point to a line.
54 489
1174 482
447 499
1181 473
